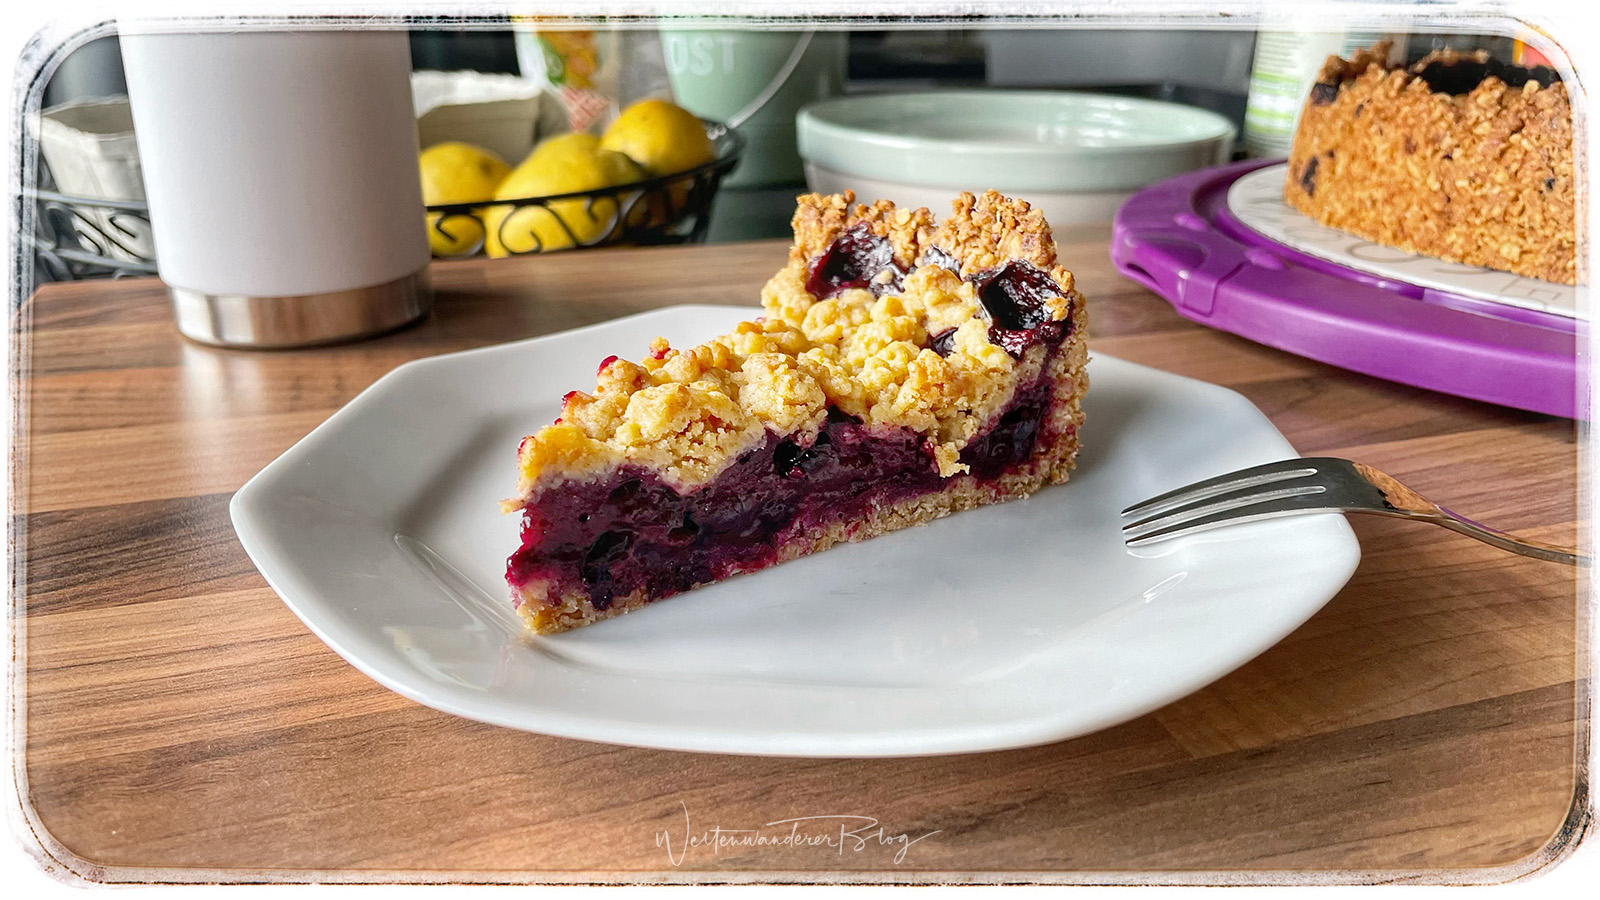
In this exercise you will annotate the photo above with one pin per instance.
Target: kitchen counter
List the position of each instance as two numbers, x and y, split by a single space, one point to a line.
180 724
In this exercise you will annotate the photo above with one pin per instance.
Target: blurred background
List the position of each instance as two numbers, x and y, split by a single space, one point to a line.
506 89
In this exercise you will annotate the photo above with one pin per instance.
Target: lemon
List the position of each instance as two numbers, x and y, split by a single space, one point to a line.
456 172
664 139
559 165
660 136
571 143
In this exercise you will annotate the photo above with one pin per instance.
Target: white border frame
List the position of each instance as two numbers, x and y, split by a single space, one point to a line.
74 22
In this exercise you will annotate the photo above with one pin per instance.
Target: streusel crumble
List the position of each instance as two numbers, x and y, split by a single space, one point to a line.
1459 157
905 369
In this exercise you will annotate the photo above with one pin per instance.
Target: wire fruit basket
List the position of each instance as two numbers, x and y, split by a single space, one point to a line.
667 209
79 237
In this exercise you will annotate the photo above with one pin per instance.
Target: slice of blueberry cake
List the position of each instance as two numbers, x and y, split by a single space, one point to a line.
905 369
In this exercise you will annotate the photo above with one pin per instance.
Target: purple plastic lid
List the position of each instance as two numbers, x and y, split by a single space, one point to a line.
1178 238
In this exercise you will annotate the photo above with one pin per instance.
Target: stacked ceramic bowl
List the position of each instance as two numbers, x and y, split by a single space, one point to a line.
1075 156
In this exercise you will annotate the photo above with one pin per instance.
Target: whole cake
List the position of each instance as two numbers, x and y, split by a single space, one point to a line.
1459 157
904 369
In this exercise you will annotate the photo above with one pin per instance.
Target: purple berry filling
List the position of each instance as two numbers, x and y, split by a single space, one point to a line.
1308 176
854 260
1016 296
632 531
1460 76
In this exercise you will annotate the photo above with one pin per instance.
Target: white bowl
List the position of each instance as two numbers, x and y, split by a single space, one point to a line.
1075 156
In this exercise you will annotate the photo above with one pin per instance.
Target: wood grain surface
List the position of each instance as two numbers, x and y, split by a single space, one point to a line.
180 723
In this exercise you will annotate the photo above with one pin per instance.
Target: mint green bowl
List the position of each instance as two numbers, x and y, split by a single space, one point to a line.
1076 155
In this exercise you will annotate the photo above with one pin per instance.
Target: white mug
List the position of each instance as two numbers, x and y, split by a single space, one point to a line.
281 172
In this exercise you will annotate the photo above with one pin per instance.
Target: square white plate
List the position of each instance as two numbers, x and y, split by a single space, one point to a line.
1005 626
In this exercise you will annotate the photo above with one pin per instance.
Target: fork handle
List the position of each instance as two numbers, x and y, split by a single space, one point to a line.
1464 525
1524 546
1409 504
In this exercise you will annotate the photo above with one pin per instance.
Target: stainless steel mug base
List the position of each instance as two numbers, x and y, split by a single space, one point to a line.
304 320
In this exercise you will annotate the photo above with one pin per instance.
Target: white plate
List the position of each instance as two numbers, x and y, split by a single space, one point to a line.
1001 627
1256 199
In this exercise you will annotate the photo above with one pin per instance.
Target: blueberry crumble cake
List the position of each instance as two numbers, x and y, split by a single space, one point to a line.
1459 157
905 368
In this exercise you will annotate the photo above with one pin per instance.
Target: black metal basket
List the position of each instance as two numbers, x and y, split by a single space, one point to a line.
80 237
669 209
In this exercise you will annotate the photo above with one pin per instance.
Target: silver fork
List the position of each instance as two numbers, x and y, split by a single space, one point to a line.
1293 487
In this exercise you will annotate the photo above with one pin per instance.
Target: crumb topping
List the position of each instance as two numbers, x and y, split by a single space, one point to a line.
907 347
1457 157
1446 70
1336 69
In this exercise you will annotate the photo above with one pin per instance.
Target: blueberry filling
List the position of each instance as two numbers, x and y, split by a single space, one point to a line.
1308 176
1462 75
1010 442
597 563
790 460
1456 77
1016 299
854 260
633 531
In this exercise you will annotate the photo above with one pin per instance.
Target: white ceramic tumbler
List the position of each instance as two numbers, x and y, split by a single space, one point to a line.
281 172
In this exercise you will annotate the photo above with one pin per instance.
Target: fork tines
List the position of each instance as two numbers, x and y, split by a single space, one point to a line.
1258 492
